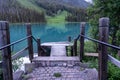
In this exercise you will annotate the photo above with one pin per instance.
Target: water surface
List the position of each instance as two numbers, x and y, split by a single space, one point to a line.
46 32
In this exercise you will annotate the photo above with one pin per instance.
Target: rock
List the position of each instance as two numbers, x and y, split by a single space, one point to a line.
89 74
64 64
18 75
29 67
85 65
70 66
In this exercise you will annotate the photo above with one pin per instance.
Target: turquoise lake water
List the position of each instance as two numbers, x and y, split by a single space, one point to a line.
47 33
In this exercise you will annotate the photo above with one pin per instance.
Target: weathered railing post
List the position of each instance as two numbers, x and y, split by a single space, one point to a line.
6 53
75 47
69 38
119 52
39 47
30 41
103 56
82 32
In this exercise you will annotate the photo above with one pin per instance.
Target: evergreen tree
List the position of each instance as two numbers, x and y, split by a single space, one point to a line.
106 8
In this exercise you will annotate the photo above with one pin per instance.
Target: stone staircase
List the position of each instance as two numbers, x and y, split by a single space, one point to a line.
68 71
69 68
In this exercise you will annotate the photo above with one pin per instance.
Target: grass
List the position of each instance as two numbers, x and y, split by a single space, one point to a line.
59 18
30 4
57 75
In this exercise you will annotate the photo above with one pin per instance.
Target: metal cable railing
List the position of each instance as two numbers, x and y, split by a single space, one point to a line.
15 42
106 44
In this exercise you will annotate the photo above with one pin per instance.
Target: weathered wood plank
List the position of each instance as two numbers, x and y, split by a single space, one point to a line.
103 53
39 47
82 32
75 47
114 61
30 41
16 55
0 64
91 54
6 53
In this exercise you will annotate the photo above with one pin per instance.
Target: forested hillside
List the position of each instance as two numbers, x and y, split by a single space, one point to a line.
40 10
12 11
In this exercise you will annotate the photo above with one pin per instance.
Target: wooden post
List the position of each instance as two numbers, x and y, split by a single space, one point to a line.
69 38
82 29
30 41
39 47
71 50
119 52
75 47
103 56
6 53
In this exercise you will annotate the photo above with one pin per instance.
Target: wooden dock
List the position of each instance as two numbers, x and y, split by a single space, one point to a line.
57 48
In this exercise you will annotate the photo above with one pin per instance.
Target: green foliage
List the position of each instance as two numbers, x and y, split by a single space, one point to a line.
77 15
89 46
57 18
69 50
31 5
57 74
16 64
113 72
93 61
40 11
14 11
106 8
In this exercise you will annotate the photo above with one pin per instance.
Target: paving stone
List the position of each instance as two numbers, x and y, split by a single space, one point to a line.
68 73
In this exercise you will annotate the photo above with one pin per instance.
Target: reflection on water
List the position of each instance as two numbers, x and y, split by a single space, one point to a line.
46 32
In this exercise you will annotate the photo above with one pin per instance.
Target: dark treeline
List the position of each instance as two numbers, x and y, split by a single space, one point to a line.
52 8
77 14
11 11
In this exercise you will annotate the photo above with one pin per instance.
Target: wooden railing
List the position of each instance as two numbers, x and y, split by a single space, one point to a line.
103 45
5 48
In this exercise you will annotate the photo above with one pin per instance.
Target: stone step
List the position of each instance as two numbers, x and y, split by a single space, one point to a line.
58 61
47 73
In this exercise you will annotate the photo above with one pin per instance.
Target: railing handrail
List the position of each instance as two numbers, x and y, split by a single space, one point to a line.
13 43
77 37
97 41
37 42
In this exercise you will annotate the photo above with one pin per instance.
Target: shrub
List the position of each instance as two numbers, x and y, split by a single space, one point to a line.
57 74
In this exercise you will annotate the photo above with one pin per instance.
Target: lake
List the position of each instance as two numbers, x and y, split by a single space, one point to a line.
46 32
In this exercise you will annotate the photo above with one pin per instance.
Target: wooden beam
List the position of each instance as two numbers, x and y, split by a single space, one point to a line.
39 47
75 47
114 61
91 54
30 41
103 53
6 53
82 32
69 38
0 64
